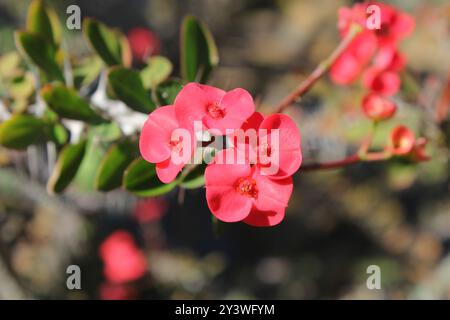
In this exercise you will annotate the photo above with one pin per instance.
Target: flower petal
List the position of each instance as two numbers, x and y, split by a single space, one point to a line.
238 106
258 218
167 170
272 194
192 101
270 206
220 180
285 146
156 133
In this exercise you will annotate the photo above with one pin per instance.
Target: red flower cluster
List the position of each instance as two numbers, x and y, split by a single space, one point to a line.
250 180
380 46
123 260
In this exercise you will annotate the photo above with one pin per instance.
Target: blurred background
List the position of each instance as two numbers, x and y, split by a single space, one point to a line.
393 214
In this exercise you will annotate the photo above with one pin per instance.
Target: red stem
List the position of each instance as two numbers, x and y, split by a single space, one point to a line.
320 70
331 165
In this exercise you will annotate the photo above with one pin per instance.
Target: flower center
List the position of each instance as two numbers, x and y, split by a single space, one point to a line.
215 110
247 187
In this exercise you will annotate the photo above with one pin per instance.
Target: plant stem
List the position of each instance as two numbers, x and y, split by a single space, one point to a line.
320 70
370 157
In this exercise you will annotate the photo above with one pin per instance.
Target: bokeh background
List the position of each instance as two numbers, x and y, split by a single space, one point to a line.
392 214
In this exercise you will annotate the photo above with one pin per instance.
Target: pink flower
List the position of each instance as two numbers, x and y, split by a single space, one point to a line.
395 25
388 58
377 107
384 82
165 143
277 147
401 141
143 43
218 110
348 16
238 192
149 210
123 261
351 62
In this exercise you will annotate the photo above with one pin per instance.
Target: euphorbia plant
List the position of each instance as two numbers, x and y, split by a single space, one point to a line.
160 132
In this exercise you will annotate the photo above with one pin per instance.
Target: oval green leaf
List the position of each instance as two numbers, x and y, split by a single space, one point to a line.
43 20
111 169
199 53
108 43
140 179
21 130
127 86
157 70
69 160
68 104
40 52
167 91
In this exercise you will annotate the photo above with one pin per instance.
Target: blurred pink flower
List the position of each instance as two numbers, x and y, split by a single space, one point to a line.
149 210
377 107
401 141
383 82
123 260
143 43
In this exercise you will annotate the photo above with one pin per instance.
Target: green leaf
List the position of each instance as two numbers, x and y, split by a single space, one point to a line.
9 65
140 179
105 132
195 178
111 169
68 104
127 86
39 51
167 91
21 87
43 20
108 43
198 51
60 134
69 160
21 130
87 71
157 70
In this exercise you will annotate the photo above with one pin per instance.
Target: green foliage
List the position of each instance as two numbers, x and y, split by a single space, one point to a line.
111 156
111 169
43 20
166 92
21 131
66 167
68 104
40 51
157 70
127 86
140 179
199 53
110 44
